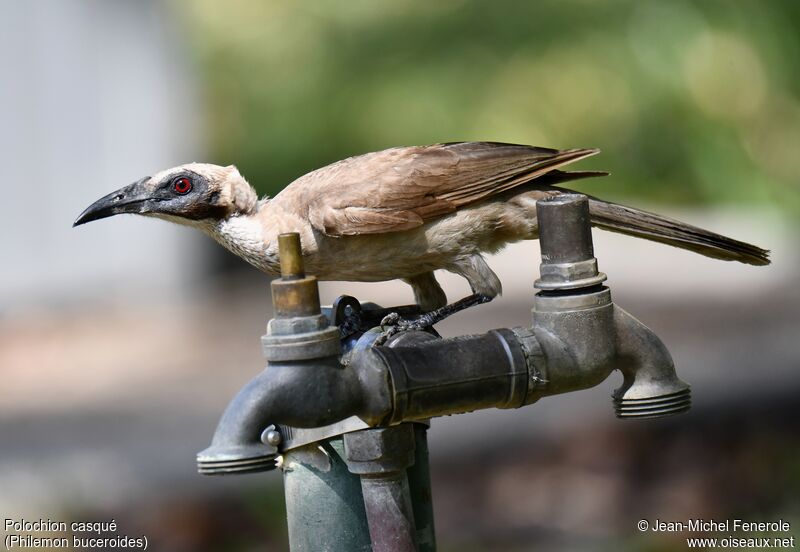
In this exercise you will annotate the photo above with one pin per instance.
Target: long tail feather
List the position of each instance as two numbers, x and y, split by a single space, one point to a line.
635 222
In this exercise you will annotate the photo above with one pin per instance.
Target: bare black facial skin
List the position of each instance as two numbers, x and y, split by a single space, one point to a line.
186 194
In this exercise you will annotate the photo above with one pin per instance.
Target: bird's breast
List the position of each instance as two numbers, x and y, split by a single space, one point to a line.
245 237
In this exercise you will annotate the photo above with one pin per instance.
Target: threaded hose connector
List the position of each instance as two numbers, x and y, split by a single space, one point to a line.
654 407
267 462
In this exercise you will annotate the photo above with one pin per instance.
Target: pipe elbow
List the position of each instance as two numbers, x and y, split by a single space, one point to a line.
650 387
276 396
236 446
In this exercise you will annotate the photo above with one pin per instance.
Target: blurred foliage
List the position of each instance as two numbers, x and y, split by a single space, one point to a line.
690 101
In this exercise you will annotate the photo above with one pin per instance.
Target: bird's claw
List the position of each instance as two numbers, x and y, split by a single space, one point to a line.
426 320
396 324
390 319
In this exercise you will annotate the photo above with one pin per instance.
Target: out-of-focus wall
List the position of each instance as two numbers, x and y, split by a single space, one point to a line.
94 94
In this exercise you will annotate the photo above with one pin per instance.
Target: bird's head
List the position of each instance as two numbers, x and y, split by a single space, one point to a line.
187 194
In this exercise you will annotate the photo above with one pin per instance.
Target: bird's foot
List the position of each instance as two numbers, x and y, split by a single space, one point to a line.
354 319
397 324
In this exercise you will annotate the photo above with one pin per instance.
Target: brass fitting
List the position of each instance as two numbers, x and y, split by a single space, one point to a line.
299 330
294 294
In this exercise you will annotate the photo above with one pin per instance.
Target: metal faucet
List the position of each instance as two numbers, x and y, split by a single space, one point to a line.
577 338
310 391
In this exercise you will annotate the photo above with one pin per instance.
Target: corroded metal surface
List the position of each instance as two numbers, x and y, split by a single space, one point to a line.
324 504
380 457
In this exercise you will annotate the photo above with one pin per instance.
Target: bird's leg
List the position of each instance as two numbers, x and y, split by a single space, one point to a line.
398 324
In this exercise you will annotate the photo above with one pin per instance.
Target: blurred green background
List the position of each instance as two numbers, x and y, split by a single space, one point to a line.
691 102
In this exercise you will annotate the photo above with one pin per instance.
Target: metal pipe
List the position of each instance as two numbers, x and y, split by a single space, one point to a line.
419 484
389 515
565 234
575 342
565 239
324 504
380 457
448 376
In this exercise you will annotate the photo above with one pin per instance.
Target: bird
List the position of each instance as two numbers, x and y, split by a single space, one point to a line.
400 213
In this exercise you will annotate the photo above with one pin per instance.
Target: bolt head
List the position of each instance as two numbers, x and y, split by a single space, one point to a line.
271 437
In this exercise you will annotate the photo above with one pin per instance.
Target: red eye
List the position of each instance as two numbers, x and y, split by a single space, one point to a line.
182 185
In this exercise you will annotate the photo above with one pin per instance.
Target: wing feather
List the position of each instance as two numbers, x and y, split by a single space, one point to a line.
401 188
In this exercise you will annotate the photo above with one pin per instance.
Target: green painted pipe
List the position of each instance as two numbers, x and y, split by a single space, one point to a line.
324 504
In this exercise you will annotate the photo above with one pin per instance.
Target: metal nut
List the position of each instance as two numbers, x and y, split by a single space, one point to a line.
380 450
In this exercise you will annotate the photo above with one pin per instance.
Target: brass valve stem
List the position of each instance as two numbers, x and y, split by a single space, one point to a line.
291 256
294 294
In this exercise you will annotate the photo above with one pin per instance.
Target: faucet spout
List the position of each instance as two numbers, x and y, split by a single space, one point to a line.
650 388
236 446
276 396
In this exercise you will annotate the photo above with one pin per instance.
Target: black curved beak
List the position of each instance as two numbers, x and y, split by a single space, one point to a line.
130 199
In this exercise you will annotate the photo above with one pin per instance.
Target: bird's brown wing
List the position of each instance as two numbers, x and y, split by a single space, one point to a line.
401 188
